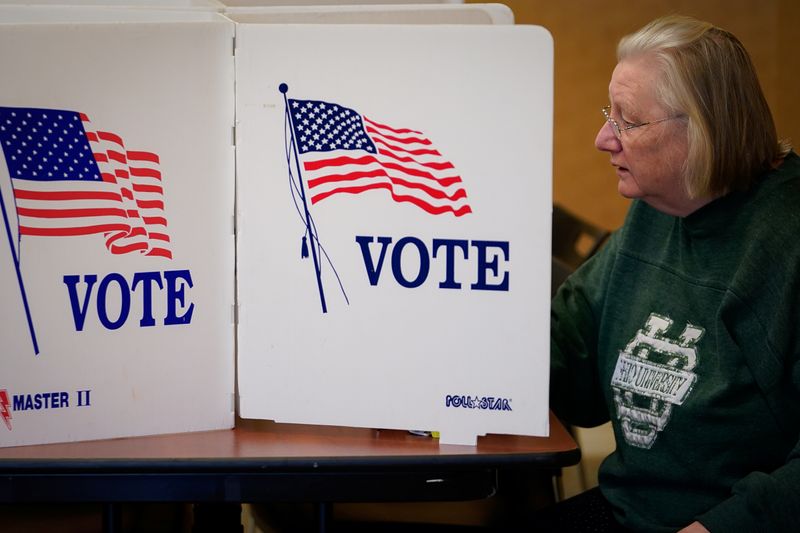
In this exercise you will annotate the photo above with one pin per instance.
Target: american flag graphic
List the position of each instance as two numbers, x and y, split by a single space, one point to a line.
344 152
70 179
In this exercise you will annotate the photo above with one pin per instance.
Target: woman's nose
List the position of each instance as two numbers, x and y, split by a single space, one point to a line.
606 140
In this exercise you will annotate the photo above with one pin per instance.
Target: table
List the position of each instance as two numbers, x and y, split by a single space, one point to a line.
262 461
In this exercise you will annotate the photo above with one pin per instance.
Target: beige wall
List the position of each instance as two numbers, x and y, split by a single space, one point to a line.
585 34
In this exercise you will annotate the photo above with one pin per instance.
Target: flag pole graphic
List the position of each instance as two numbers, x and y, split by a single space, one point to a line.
283 88
15 258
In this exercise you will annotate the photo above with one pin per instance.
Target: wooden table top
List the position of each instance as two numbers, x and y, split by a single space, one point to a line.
260 443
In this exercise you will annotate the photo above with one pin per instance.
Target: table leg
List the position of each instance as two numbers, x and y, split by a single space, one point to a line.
324 510
112 518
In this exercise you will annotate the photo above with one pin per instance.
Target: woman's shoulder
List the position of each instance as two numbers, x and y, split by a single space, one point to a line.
776 199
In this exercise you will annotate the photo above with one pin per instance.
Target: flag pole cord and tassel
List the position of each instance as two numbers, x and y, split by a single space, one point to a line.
15 258
293 188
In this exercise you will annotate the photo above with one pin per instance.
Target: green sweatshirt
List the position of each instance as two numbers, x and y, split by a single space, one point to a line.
685 333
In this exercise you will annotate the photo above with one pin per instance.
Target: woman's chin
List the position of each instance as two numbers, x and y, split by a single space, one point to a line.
627 188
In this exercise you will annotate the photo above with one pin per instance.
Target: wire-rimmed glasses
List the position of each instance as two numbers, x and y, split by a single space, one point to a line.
606 110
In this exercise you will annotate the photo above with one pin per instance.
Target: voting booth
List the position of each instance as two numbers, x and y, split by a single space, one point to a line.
117 262
208 208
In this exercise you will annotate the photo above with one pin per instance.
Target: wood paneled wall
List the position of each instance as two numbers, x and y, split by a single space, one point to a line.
586 32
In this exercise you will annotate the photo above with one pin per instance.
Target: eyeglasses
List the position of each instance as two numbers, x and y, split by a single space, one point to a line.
618 130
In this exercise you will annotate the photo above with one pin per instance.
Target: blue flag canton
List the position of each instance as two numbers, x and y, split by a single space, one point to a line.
46 145
323 127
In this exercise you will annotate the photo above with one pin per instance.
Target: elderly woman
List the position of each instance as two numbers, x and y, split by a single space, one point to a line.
684 330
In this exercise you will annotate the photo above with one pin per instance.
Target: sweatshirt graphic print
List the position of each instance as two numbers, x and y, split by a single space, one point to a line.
652 376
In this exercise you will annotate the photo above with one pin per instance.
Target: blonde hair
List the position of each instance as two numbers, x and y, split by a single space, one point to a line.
708 77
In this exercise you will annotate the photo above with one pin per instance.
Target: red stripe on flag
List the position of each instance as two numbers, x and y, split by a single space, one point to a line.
72 232
66 195
145 173
338 161
110 137
159 236
160 252
158 221
142 156
138 187
128 248
150 204
119 157
70 213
